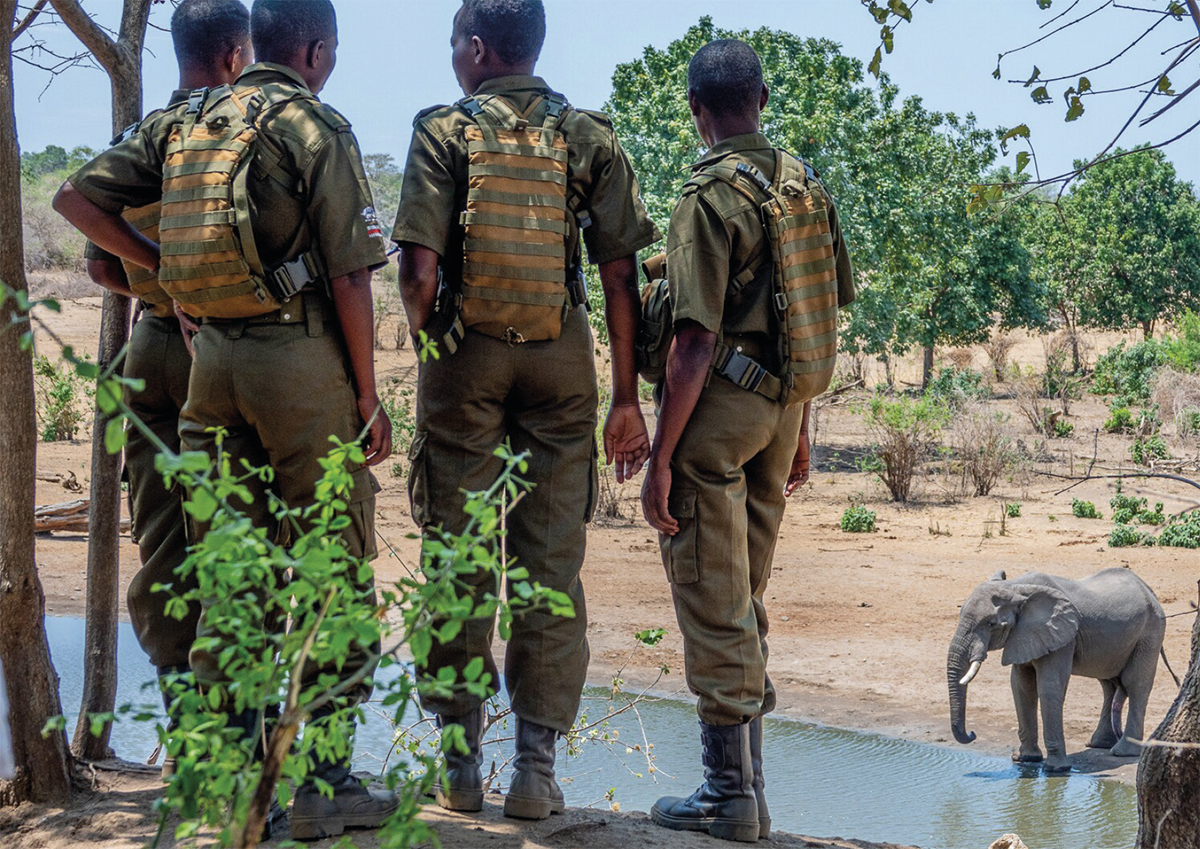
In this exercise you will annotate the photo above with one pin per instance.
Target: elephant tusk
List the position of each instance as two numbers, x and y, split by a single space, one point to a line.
971 673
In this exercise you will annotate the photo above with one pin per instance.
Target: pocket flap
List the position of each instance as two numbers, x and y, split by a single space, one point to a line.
681 504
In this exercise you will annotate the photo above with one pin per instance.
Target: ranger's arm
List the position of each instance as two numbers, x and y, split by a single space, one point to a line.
625 438
418 285
109 274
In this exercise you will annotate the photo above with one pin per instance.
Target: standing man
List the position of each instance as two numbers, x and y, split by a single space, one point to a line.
500 190
757 271
278 383
212 46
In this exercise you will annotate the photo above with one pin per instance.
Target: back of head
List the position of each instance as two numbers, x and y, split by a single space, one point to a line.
515 29
281 29
206 31
726 77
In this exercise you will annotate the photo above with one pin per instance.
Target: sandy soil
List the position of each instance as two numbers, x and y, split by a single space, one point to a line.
860 624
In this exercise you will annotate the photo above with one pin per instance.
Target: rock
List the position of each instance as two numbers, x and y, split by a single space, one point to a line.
1009 841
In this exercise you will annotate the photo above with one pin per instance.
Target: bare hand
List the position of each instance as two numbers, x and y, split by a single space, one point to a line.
188 326
655 491
378 446
626 440
799 473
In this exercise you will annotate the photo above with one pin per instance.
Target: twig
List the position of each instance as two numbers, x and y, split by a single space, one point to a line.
28 19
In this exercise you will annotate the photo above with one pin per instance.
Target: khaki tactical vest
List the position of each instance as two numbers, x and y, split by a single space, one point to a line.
802 269
517 224
210 262
143 283
656 327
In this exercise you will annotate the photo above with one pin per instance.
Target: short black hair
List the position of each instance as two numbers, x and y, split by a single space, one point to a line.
204 31
515 29
726 77
281 28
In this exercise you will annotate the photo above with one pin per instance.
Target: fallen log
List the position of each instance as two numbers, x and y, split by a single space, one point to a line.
66 516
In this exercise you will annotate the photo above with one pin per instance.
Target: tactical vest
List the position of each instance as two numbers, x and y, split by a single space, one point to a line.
209 259
800 266
517 224
657 324
142 282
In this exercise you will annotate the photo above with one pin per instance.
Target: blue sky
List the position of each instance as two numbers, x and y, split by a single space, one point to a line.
394 60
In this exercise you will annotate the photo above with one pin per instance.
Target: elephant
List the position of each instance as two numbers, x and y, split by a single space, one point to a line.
1108 626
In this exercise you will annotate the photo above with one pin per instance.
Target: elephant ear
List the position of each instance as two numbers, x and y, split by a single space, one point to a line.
1046 621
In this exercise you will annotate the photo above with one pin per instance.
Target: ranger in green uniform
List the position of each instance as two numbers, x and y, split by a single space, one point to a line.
212 45
482 212
279 383
729 446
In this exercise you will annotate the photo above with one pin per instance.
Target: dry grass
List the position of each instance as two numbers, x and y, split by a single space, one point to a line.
984 447
961 358
63 285
997 349
1177 394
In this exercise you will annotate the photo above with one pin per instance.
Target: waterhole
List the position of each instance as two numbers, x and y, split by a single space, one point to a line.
820 781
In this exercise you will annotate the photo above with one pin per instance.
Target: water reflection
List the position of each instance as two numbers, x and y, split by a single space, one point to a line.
821 781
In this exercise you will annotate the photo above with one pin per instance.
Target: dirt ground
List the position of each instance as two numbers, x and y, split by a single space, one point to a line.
860 623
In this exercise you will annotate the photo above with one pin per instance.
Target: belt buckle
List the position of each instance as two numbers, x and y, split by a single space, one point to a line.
753 375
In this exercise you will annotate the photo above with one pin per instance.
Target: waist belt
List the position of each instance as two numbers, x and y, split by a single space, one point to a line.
303 308
733 365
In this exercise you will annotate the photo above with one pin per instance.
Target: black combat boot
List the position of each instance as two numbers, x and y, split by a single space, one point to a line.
353 805
724 805
462 788
757 782
533 793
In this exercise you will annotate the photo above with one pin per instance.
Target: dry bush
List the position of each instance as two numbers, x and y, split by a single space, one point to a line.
961 358
850 369
1027 393
984 448
903 432
389 306
50 242
1060 381
1177 394
62 285
997 349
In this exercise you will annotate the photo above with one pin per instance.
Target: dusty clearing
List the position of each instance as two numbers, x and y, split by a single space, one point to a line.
860 623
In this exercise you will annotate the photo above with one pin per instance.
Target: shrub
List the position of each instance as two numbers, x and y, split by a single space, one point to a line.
1012 511
997 349
63 399
1120 420
903 430
1182 350
1063 428
858 520
1145 451
984 448
1182 533
1177 394
957 386
1123 536
1060 380
1128 373
1188 422
1084 509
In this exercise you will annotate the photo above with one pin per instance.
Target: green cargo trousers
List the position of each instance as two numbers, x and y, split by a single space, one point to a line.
541 396
158 356
727 479
280 389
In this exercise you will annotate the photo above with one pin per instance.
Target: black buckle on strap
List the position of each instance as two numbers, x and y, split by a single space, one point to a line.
291 277
742 370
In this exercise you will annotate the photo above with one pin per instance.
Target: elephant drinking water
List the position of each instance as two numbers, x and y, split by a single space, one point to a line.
1108 626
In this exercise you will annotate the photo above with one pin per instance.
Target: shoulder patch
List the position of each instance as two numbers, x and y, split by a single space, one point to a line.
336 120
601 117
426 112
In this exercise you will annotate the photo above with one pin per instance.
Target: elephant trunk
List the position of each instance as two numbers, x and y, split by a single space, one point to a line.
957 663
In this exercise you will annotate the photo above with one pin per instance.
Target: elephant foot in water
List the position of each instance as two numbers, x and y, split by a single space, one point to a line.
1057 764
1126 748
1034 757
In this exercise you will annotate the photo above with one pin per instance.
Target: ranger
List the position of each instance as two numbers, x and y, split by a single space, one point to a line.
500 192
756 270
284 357
212 46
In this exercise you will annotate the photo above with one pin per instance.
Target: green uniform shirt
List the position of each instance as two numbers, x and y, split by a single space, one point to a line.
599 173
715 233
326 205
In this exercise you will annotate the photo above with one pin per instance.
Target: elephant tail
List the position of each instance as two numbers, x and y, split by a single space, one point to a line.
1118 704
1162 652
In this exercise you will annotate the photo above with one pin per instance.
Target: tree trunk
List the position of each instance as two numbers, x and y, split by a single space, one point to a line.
1167 785
43 763
1148 329
123 62
927 368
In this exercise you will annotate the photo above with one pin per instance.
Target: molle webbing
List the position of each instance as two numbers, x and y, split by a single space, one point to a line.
210 262
516 222
142 282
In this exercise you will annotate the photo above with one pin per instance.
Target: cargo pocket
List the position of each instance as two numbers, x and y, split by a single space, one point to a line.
418 481
593 485
681 553
362 513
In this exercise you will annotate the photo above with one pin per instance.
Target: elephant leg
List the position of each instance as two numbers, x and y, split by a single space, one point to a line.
1105 737
1137 679
1053 675
1025 697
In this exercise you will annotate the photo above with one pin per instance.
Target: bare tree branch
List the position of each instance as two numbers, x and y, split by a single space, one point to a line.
1194 8
28 19
94 38
1175 100
1094 68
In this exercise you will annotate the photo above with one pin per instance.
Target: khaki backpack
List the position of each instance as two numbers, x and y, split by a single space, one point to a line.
142 282
210 262
517 224
802 269
656 327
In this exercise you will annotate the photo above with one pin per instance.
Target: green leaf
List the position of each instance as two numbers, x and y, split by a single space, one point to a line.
873 68
1041 95
1019 131
473 669
1075 109
1083 85
114 435
108 396
1164 85
1022 161
201 506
